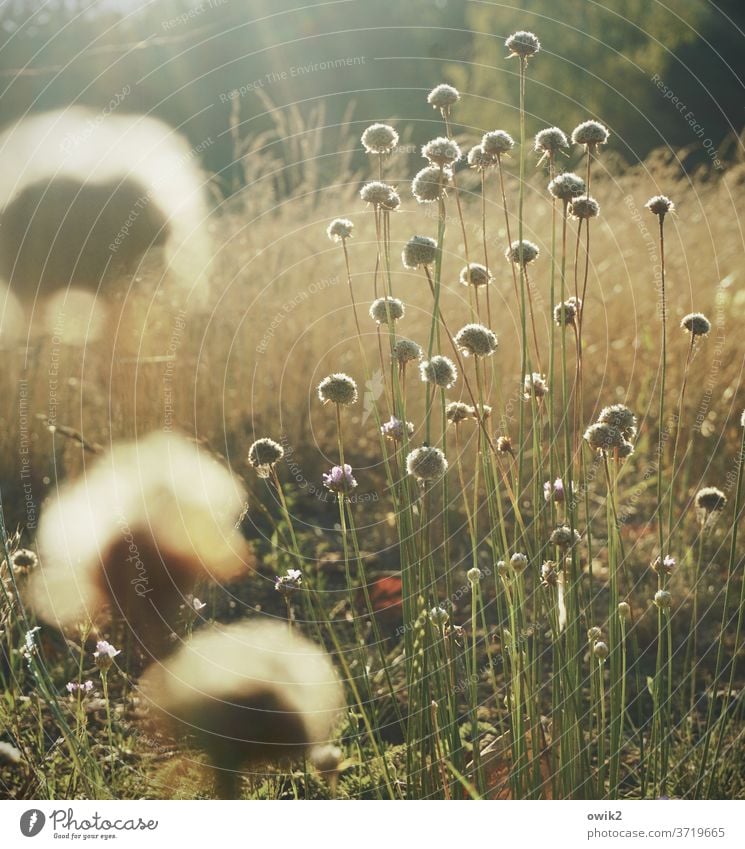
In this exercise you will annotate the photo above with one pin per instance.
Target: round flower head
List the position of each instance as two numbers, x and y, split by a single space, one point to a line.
429 184
263 454
339 479
549 575
660 205
419 250
327 760
439 617
393 429
519 562
23 560
380 195
338 389
564 537
482 412
522 252
584 207
476 340
664 566
442 152
457 411
379 138
603 437
104 655
550 141
339 229
384 309
534 385
478 158
696 323
443 97
248 693
426 463
710 501
504 445
590 134
497 142
475 274
624 610
474 576
567 186
290 583
566 313
620 418
663 599
439 370
625 449
554 491
594 634
600 650
405 351
523 44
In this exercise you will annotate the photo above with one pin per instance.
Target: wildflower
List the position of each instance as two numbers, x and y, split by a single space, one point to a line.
474 576
624 610
519 562
393 429
503 570
504 445
497 142
249 692
405 351
426 463
478 158
289 583
386 308
534 385
379 138
340 229
603 437
23 560
663 599
475 274
710 501
619 417
481 412
584 207
624 450
419 250
443 97
696 323
104 655
430 183
566 313
590 134
660 205
442 152
9 754
439 617
523 44
600 650
457 411
549 575
594 634
664 566
439 370
554 491
550 141
476 340
567 186
339 480
264 454
522 252
564 537
338 388
85 688
380 195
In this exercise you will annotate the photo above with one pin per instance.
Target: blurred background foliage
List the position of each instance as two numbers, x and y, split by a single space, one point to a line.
180 59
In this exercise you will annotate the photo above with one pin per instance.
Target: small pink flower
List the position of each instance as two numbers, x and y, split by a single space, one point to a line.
105 654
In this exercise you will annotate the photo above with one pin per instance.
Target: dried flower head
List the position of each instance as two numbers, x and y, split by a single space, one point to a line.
406 351
523 44
534 386
475 340
386 308
339 479
338 388
565 314
482 411
289 583
660 205
439 617
564 537
475 274
619 417
393 429
474 576
554 491
497 142
583 208
663 599
439 370
603 437
104 655
457 411
263 454
248 693
624 450
379 138
664 565
419 250
426 463
624 610
519 562
567 186
442 152
549 575
340 229
696 323
710 502
601 651
594 634
380 195
522 252
23 560
504 445
478 158
443 97
590 134
551 141
430 183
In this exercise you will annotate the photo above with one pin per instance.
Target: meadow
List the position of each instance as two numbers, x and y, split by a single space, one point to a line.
534 590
